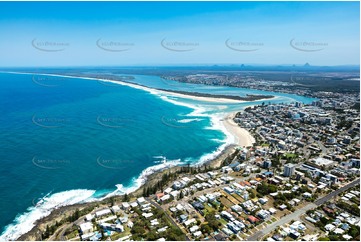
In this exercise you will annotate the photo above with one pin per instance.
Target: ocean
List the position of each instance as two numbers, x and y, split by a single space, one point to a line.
70 140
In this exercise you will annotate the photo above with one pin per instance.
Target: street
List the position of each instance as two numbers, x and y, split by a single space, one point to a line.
301 211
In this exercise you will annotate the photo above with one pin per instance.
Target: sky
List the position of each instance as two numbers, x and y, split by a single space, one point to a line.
46 34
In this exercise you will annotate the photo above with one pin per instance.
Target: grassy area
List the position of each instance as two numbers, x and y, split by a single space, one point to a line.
224 222
274 220
269 222
290 155
239 198
72 235
207 209
231 198
226 202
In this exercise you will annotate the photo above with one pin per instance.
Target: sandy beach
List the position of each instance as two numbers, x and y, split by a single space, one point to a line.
202 99
242 136
174 94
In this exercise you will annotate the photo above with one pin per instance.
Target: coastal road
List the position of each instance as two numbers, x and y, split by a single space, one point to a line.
295 215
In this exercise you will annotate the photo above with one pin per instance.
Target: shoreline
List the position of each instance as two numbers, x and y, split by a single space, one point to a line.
215 98
62 212
210 99
240 135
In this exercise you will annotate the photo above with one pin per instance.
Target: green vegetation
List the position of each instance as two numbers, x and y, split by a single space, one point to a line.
322 223
213 223
265 189
335 237
50 230
168 177
208 209
126 198
351 208
323 239
142 229
354 231
175 234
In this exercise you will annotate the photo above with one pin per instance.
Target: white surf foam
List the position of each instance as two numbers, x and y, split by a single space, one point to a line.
23 223
190 120
142 178
217 124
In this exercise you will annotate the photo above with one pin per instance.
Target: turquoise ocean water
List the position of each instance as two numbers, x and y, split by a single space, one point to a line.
70 140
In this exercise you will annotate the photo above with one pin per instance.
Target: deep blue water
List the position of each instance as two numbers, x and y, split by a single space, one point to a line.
59 134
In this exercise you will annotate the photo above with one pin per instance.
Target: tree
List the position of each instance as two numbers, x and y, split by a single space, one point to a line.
334 237
126 198
137 229
175 234
151 236
354 231
111 201
252 193
221 207
265 189
212 221
206 229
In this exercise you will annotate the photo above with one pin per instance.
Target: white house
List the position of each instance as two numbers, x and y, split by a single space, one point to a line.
86 228
228 190
193 228
89 217
147 215
115 208
141 200
174 194
165 198
307 195
103 212
168 190
134 204
197 234
125 206
189 222
329 227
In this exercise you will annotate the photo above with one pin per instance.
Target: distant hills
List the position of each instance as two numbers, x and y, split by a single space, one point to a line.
219 67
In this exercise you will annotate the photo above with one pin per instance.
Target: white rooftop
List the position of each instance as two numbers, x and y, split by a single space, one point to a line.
86 226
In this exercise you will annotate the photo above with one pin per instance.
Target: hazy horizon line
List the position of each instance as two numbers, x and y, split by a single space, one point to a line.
190 65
